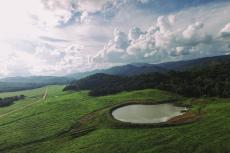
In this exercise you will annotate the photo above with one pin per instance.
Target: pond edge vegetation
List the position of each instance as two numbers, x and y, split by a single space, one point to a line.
103 117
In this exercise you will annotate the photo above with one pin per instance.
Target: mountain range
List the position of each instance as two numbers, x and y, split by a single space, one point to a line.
134 69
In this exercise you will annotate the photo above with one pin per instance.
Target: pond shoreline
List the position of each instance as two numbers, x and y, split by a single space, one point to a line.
186 118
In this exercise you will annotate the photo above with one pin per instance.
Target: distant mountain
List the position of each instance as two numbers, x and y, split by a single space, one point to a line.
80 75
38 79
23 83
17 86
212 80
141 64
195 63
134 69
124 70
145 68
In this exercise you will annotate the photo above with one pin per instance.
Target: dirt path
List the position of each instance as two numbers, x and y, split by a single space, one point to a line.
26 106
45 94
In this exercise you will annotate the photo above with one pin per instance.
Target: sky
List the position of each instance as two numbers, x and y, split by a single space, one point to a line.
59 37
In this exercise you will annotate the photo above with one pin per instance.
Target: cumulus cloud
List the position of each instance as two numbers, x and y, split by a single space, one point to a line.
60 60
67 12
134 33
191 30
45 39
61 13
225 32
163 41
120 39
47 59
54 12
115 49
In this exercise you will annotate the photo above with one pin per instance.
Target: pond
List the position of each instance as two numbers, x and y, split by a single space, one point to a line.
141 113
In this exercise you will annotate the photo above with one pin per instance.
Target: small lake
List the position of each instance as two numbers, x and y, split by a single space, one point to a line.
139 113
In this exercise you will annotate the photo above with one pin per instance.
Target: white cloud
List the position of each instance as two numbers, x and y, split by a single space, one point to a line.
60 60
91 5
47 59
54 12
134 33
115 49
85 18
33 34
191 30
144 1
225 32
15 63
120 39
165 41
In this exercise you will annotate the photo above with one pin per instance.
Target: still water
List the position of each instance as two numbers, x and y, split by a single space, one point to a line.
139 113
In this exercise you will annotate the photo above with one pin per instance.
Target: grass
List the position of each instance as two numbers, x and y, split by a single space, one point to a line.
47 126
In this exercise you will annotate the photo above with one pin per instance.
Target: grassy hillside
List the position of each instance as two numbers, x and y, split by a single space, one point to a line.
49 125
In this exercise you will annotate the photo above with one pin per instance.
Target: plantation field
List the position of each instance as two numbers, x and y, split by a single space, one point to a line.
55 125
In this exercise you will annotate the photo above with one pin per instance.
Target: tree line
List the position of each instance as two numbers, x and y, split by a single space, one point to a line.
7 101
212 80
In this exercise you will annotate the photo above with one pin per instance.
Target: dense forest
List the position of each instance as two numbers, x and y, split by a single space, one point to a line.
212 80
10 100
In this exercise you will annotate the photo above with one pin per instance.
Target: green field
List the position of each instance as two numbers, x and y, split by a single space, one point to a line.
50 125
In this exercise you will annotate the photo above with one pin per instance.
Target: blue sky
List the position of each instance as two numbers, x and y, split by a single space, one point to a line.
57 37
